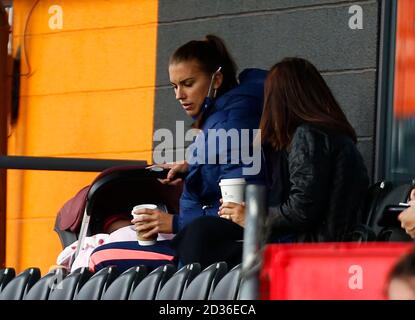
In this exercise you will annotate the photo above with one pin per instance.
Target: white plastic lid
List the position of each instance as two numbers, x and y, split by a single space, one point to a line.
144 206
234 181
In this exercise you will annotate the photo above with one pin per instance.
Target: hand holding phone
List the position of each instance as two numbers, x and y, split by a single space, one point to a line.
158 172
161 171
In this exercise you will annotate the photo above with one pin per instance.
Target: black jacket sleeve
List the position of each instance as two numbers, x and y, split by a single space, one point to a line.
309 171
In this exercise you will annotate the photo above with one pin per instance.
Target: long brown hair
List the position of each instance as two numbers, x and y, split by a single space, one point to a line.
210 54
296 93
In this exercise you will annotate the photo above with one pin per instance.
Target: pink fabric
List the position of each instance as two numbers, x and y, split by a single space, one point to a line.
127 233
123 234
82 260
122 254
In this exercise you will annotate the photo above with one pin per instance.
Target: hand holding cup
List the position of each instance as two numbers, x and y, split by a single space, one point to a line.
233 194
233 211
142 219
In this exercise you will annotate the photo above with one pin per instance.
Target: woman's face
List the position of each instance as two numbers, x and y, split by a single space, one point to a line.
402 289
190 85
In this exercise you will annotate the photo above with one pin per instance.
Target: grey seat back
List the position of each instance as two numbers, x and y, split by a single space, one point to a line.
97 284
386 229
66 237
20 285
151 284
228 287
174 287
124 285
42 288
6 275
71 285
201 288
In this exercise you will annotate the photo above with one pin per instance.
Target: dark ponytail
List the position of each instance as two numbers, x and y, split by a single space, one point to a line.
227 63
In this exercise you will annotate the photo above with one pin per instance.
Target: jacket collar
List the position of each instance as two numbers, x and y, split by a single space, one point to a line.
251 83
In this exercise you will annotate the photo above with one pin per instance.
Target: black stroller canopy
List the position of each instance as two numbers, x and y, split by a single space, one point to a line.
116 191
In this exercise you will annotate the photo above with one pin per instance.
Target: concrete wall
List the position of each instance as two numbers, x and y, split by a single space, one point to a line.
260 33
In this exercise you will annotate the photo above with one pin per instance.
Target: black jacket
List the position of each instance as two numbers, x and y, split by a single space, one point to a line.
319 184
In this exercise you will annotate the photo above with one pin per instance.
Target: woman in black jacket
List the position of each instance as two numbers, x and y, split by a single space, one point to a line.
316 175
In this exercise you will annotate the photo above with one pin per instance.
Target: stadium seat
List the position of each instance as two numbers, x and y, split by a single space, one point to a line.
202 286
97 284
124 285
228 287
374 196
6 275
369 213
151 284
388 195
71 285
393 234
42 288
361 233
174 287
20 285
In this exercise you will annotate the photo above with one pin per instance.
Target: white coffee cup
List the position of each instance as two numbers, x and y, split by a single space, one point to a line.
141 240
233 190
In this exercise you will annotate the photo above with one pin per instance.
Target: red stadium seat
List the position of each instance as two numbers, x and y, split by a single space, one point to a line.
334 271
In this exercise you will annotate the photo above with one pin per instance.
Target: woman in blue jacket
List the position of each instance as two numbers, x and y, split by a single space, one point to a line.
203 76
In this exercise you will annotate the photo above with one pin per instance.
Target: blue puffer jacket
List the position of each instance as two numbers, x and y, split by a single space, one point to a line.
238 109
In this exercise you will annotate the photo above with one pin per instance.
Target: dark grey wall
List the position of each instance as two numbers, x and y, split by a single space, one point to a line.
260 33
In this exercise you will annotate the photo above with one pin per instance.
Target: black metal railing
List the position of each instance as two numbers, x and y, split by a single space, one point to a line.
63 164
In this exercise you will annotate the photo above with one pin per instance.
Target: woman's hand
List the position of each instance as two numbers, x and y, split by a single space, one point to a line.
153 222
407 217
233 211
175 168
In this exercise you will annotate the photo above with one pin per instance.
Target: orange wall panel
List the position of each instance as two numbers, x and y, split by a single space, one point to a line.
404 96
4 107
41 187
90 60
86 14
32 242
106 121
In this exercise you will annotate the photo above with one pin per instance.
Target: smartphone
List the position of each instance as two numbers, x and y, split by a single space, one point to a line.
390 215
158 172
161 173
